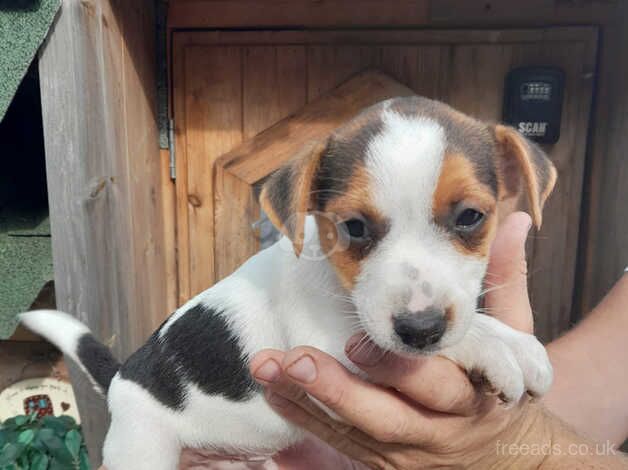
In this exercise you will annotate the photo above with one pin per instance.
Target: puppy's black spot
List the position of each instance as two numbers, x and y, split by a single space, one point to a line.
97 359
198 348
346 151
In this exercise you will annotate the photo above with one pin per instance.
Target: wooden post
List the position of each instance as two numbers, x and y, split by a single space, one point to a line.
104 174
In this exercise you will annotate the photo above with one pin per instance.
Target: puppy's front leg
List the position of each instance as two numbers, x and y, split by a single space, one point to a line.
511 361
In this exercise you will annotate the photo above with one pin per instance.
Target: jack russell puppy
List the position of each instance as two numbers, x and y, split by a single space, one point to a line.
387 228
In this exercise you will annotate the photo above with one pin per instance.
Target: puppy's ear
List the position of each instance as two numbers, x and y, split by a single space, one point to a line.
286 197
522 166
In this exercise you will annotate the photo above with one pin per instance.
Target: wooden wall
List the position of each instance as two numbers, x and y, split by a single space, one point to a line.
603 245
104 178
229 86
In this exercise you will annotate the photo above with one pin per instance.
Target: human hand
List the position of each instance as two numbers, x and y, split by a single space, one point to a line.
418 412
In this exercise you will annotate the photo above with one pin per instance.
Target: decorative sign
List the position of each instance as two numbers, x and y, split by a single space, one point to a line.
44 396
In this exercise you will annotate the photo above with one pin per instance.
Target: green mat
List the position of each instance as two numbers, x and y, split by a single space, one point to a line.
23 27
25 262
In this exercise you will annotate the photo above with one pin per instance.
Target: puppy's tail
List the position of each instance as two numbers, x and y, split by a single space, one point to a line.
75 340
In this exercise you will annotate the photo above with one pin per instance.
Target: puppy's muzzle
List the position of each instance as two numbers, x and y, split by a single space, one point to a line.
420 329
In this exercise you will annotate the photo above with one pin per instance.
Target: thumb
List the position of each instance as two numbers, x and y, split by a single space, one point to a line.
506 280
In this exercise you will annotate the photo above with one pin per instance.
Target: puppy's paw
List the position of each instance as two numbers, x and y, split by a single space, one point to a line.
534 362
510 362
492 364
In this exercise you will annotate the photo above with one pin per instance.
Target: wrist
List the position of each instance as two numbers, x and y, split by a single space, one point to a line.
525 443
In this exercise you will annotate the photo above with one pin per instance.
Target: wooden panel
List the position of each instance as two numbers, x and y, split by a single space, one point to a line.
464 68
424 69
214 113
313 13
273 85
104 180
249 163
605 241
329 66
374 13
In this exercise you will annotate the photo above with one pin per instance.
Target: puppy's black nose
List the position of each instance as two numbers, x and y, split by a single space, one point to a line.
420 329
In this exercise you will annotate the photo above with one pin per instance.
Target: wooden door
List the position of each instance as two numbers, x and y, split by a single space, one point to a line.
229 86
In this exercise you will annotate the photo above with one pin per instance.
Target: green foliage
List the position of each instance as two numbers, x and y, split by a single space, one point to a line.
49 443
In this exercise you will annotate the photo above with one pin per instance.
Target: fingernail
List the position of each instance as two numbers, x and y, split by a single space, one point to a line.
277 400
269 371
303 370
363 352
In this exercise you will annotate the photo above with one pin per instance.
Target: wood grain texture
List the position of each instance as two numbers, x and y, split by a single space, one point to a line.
104 180
213 110
285 13
605 239
372 13
248 164
465 68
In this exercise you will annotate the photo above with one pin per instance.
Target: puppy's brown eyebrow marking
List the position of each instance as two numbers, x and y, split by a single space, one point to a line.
458 182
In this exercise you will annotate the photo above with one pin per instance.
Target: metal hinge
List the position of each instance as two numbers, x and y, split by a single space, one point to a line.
171 150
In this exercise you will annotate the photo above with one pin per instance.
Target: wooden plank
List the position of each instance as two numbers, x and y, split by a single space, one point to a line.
288 13
169 202
348 38
239 170
274 85
103 173
422 68
503 13
213 106
185 14
604 241
329 66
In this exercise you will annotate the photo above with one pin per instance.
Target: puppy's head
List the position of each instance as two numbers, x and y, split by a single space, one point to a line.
412 191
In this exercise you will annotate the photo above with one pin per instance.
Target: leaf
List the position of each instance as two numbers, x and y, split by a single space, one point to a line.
39 462
56 464
67 420
10 453
26 437
73 441
21 420
84 461
60 427
56 447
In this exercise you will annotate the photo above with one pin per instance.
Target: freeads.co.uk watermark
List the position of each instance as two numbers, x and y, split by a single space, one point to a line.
548 449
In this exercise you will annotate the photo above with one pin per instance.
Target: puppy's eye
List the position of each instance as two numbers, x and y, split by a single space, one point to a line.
468 219
356 229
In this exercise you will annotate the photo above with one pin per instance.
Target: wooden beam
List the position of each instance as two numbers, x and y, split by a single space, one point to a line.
287 14
604 245
236 172
290 13
104 180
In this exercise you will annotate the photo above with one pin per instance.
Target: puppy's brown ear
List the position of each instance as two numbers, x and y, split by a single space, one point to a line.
522 166
286 197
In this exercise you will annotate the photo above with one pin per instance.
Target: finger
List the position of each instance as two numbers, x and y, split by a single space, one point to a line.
378 412
506 279
435 382
340 441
